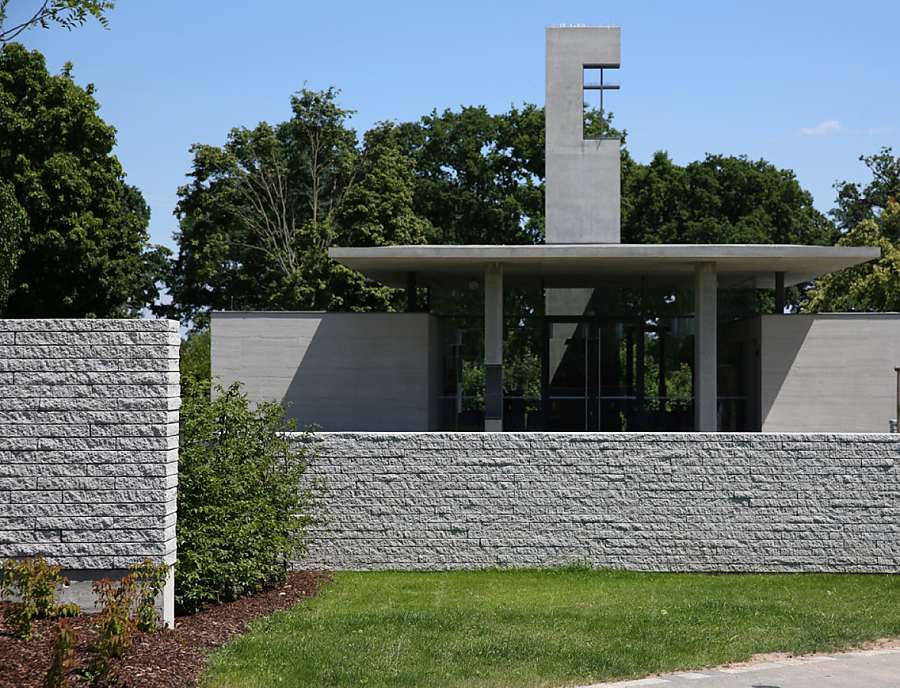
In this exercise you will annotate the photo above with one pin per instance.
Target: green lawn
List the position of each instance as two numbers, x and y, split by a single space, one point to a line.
549 627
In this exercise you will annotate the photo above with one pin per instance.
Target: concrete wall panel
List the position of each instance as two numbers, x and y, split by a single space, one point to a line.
343 371
831 372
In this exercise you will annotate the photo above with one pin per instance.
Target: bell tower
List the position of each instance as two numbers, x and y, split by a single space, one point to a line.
582 173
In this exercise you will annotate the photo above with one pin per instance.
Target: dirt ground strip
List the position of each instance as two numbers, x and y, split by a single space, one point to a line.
167 659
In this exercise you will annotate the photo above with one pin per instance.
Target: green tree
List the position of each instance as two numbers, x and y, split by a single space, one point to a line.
479 177
13 226
872 286
719 200
480 180
195 353
262 211
85 251
856 202
66 13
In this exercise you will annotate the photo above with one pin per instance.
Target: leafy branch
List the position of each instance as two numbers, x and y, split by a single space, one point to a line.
66 13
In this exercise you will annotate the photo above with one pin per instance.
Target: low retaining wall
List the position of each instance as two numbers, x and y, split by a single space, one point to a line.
89 445
651 502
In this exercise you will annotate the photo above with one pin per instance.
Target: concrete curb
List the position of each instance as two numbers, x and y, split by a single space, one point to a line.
842 669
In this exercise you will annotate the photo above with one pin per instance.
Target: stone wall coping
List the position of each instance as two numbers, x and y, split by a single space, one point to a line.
88 325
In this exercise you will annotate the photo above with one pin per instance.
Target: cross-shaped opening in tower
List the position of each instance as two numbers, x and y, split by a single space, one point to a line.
594 79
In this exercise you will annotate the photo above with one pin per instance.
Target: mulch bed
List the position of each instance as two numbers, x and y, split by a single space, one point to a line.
167 659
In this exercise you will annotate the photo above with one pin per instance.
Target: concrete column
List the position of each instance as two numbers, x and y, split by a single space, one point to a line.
779 293
493 347
412 300
705 331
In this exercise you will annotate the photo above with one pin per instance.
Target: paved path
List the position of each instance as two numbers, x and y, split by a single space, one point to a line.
860 669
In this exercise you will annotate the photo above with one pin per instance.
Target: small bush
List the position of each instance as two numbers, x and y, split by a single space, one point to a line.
244 504
36 583
61 660
115 624
149 579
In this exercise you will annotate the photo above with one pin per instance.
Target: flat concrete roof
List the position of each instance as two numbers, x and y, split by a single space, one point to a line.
595 265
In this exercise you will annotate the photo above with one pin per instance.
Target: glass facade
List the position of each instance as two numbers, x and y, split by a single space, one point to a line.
625 364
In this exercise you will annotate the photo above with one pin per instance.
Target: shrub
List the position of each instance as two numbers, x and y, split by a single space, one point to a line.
244 504
36 583
115 624
61 658
149 580
125 607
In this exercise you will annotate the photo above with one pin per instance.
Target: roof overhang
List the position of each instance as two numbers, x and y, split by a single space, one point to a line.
601 265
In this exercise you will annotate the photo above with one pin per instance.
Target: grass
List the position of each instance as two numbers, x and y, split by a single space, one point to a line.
551 627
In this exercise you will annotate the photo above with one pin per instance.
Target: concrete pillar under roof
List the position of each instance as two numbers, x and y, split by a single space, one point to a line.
705 335
493 347
779 293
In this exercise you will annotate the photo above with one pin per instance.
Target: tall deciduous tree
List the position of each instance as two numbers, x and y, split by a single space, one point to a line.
873 286
84 250
868 215
261 212
480 180
719 200
479 177
856 202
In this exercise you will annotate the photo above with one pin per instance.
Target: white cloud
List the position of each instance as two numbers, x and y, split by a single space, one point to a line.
830 126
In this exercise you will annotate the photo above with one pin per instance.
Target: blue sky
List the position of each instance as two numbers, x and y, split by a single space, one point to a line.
809 86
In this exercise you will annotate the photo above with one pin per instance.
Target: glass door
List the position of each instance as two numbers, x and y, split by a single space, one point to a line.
571 372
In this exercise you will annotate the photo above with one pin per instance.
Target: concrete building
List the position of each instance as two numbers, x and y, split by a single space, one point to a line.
393 372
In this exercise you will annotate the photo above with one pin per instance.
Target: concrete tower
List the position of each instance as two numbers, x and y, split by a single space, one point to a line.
582 174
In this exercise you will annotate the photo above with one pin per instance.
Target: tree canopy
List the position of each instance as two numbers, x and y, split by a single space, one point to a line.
80 248
65 13
261 212
478 177
867 215
13 225
718 200
856 202
480 180
872 286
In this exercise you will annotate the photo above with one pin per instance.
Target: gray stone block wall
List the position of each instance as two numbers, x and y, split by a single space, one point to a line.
89 441
652 502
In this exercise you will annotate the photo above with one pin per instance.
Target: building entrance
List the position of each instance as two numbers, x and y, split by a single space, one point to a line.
603 374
